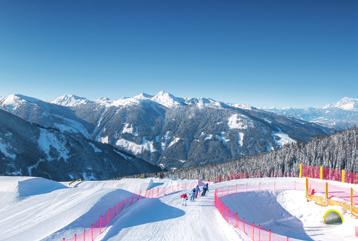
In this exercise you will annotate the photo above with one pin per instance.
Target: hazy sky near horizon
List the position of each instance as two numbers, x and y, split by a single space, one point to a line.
264 53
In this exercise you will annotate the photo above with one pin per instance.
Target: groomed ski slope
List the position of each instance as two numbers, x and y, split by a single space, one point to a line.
168 220
49 211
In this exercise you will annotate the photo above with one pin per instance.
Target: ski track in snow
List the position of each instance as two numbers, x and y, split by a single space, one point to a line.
171 221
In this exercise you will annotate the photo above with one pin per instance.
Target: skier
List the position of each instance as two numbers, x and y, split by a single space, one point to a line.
205 189
184 198
197 190
192 196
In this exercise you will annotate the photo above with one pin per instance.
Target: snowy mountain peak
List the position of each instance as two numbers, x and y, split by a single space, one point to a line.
346 103
70 100
168 100
143 96
13 101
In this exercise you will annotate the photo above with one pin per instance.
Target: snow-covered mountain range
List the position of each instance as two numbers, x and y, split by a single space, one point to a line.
166 130
340 115
28 149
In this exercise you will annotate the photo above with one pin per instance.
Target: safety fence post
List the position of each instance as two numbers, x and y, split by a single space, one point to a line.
352 200
326 193
321 172
259 233
300 175
100 224
253 232
92 239
84 234
270 233
75 236
108 217
307 187
343 175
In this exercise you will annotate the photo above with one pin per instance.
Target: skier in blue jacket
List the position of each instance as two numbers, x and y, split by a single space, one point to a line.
192 195
197 190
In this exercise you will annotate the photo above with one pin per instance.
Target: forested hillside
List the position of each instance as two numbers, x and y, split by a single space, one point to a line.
336 151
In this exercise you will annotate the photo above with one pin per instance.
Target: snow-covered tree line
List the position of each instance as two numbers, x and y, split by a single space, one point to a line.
336 151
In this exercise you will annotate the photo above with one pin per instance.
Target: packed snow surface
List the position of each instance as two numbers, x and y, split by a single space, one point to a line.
38 209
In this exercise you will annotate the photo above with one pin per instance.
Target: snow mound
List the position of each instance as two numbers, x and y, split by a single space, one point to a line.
27 186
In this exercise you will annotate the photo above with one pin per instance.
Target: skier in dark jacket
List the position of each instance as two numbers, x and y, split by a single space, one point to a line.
205 189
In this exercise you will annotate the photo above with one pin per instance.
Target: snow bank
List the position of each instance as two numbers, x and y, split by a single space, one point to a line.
12 189
27 186
287 212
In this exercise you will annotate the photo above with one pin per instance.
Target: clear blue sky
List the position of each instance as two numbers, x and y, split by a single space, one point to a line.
264 53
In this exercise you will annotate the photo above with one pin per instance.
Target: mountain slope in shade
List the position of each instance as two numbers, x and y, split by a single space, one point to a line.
171 131
32 150
46 114
341 115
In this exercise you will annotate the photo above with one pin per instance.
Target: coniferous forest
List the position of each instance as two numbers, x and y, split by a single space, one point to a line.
336 151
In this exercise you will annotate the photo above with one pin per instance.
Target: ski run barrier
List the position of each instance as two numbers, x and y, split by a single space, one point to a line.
252 231
333 194
321 192
106 219
319 172
326 173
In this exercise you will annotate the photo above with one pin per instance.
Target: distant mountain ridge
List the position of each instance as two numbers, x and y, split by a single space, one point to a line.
340 115
346 103
166 130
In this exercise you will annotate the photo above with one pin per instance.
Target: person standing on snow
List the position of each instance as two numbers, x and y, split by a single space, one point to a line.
184 197
205 189
192 196
197 190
